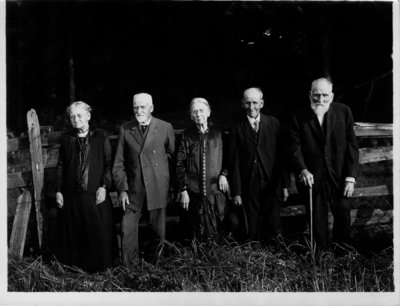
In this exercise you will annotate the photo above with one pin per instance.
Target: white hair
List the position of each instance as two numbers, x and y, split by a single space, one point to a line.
144 96
79 104
321 80
256 89
199 100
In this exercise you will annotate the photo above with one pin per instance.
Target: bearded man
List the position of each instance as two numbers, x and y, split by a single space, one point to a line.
323 152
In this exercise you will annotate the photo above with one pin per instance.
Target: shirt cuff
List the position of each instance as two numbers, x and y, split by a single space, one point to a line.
224 172
350 179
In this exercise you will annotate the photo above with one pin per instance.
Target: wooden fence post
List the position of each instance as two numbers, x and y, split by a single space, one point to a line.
37 167
20 225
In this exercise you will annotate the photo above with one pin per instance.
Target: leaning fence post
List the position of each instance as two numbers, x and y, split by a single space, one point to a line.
20 225
35 145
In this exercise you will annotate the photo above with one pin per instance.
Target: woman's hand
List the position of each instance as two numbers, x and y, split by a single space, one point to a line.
223 183
60 199
285 194
237 200
184 200
100 195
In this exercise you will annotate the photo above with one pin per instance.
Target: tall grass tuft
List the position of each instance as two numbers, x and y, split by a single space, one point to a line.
218 267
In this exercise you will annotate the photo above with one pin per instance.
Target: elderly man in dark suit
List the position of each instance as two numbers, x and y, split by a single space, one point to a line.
256 168
323 151
141 174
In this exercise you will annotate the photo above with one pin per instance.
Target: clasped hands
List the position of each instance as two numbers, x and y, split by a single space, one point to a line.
307 179
100 197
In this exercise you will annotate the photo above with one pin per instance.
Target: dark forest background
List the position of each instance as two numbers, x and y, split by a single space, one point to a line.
102 52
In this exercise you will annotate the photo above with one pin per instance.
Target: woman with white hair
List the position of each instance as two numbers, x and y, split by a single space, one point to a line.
200 177
85 224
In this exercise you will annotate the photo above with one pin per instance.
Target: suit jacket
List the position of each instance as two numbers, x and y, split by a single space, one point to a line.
333 152
245 147
141 165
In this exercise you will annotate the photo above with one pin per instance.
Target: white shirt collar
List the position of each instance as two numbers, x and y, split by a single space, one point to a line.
146 123
251 120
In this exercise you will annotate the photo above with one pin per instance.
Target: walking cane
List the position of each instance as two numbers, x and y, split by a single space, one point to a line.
311 222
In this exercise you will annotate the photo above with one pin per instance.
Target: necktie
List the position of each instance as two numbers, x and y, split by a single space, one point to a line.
143 128
255 126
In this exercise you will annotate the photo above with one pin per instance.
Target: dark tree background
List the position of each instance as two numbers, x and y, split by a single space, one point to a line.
103 52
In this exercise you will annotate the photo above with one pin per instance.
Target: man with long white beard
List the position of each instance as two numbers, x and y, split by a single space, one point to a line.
323 152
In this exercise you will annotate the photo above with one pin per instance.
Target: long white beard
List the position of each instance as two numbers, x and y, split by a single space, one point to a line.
320 110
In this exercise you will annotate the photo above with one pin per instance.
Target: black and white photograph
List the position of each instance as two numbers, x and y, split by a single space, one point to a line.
200 152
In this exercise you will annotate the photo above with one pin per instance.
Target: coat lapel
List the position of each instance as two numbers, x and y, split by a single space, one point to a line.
263 128
137 135
151 132
248 131
330 124
315 126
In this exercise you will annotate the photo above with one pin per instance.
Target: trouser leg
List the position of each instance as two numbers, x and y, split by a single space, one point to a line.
252 214
157 219
130 231
263 218
341 224
253 201
270 225
156 234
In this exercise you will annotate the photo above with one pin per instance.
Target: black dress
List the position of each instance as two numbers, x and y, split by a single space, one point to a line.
198 166
84 229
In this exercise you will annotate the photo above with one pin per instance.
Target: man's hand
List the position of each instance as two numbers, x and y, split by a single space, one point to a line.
285 194
223 183
60 199
348 189
124 199
184 200
100 195
237 200
306 178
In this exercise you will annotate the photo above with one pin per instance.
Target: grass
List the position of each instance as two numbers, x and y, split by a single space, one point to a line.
224 267
232 267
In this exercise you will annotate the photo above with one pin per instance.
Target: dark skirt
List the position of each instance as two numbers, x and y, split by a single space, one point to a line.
205 216
85 232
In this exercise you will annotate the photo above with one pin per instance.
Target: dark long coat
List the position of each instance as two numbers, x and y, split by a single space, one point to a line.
312 148
141 165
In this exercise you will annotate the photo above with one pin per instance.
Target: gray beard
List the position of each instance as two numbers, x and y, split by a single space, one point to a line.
320 111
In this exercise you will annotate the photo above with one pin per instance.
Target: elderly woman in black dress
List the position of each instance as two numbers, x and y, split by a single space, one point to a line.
200 177
85 225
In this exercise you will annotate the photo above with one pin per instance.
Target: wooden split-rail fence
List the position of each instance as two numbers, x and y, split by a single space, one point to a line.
31 173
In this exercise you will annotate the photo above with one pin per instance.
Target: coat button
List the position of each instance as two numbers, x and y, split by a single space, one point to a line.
156 164
154 151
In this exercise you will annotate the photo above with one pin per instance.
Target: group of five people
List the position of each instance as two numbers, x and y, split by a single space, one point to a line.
251 170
